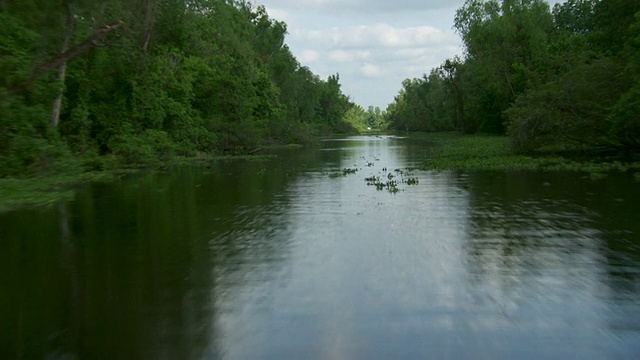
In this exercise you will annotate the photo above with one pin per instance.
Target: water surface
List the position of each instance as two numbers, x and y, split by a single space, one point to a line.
279 260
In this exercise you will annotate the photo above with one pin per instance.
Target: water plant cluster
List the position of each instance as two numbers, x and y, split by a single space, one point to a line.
390 185
343 173
47 191
392 181
452 151
385 180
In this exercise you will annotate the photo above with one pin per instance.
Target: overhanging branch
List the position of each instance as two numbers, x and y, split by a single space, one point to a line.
68 55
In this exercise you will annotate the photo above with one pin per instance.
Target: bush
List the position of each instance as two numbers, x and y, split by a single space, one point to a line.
149 148
570 113
28 144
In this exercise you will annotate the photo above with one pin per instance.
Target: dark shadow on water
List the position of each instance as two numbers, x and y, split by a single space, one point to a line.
141 267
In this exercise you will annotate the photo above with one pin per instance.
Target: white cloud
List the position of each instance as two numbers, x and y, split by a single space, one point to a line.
348 55
281 15
308 56
378 50
373 44
366 6
371 70
375 36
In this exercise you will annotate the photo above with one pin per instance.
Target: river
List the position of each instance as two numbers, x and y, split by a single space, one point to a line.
294 257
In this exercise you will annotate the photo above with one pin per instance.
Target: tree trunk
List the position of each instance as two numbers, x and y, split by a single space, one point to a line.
62 70
149 22
68 55
76 50
508 77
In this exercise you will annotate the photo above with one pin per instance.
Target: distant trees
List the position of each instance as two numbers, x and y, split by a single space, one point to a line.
365 120
153 78
565 79
424 104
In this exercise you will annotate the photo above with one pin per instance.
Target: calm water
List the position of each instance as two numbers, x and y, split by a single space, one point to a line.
278 260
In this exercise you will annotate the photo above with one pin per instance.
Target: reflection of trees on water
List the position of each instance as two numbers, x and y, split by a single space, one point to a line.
546 235
113 275
132 269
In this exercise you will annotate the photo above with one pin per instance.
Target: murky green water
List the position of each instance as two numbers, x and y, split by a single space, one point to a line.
277 260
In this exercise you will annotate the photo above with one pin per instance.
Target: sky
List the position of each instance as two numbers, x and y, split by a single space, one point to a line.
372 44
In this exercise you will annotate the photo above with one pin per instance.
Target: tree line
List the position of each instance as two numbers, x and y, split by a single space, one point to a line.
561 79
84 81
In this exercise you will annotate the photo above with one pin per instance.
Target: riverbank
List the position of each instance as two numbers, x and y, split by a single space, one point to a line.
444 151
46 190
454 151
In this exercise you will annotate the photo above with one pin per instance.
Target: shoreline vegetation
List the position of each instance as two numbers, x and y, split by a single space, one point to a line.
450 151
562 79
455 151
43 190
92 91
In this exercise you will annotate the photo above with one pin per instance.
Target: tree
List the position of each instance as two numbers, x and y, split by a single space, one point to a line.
626 123
506 45
575 16
570 113
164 77
357 118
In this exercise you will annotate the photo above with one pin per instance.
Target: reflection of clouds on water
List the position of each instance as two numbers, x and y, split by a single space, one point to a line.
365 276
459 266
542 260
492 265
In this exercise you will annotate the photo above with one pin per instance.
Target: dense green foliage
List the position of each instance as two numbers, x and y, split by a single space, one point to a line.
365 120
169 77
455 151
564 79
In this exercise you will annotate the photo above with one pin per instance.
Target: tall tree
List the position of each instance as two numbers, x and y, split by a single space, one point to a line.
506 44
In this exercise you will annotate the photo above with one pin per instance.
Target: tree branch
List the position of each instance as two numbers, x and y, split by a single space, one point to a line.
68 55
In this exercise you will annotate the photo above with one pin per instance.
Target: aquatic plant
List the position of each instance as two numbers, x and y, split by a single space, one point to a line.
372 180
412 181
344 172
451 151
391 185
47 190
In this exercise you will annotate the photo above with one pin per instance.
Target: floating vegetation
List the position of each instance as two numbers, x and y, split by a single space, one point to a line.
371 179
47 191
412 181
391 185
597 175
343 173
393 180
451 151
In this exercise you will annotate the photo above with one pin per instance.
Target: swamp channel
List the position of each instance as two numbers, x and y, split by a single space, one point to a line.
344 251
